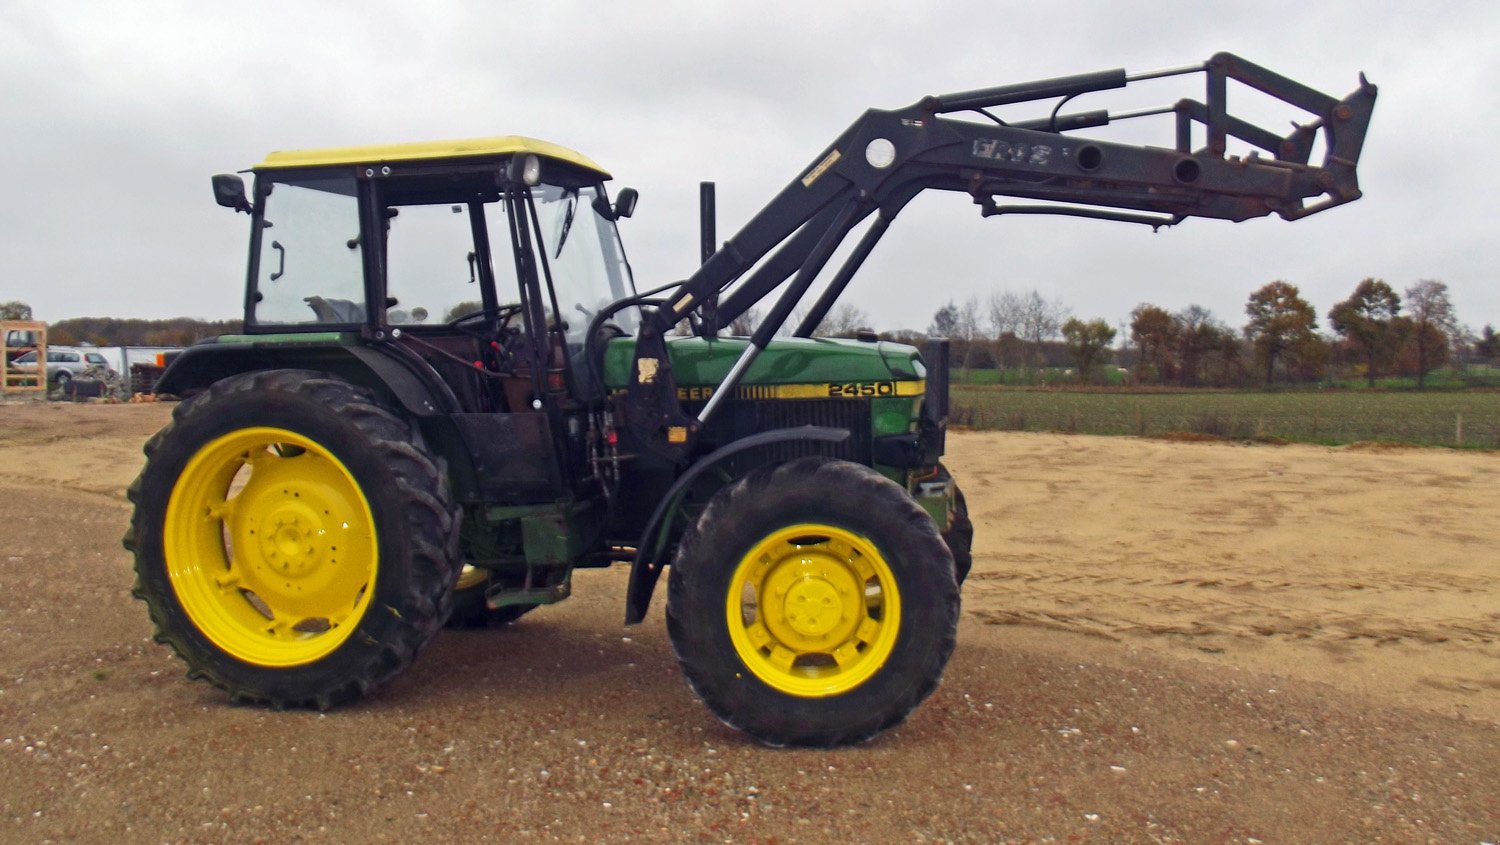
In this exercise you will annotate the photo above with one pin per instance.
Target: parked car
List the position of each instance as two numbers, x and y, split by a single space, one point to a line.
64 363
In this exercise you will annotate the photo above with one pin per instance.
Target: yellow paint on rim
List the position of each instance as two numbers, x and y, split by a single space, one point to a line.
503 145
470 577
813 610
270 547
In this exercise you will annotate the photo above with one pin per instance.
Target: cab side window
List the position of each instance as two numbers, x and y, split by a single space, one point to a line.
311 266
431 268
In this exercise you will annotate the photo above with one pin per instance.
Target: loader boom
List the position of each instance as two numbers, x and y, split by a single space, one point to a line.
885 158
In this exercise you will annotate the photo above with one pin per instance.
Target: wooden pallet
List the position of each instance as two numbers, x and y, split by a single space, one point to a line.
16 382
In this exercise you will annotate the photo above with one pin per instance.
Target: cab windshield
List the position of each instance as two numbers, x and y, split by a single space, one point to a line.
583 252
432 257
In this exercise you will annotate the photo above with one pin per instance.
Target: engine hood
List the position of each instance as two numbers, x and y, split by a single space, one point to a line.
815 362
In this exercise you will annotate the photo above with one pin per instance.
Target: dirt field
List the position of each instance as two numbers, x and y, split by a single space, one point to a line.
1161 643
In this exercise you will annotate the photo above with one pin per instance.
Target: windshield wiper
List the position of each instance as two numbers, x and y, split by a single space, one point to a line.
567 223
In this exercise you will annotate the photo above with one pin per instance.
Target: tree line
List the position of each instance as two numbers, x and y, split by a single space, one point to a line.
110 331
1375 332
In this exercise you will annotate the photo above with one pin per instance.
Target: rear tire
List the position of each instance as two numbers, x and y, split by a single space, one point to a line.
813 603
295 542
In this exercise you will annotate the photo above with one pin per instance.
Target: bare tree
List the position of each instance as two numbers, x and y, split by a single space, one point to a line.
1040 321
1201 345
1433 325
844 320
969 330
1005 327
1194 336
746 323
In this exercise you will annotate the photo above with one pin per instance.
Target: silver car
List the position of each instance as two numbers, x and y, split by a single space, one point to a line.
64 363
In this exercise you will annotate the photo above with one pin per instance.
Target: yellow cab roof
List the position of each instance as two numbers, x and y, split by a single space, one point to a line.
504 145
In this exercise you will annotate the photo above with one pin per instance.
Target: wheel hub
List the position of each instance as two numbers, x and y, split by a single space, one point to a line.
813 607
811 601
290 540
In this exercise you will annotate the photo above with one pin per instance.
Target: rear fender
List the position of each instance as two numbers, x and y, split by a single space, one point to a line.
399 381
383 371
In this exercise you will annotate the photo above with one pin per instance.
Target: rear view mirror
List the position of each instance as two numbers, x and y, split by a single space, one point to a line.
229 191
625 202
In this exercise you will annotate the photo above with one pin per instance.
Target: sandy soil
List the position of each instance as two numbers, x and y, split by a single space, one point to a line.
1161 643
1372 568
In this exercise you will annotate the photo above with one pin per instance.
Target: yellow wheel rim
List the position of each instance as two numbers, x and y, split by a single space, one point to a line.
270 547
813 610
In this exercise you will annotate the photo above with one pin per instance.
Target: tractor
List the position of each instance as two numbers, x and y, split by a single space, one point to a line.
450 395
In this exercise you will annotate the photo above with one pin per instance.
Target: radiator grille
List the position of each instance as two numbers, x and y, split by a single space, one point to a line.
740 418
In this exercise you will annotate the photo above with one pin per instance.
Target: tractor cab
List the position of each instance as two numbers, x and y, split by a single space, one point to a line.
487 258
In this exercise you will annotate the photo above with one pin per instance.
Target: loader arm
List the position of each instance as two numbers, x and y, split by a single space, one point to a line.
885 158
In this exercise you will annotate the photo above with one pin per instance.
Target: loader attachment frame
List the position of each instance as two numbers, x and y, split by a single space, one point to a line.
885 158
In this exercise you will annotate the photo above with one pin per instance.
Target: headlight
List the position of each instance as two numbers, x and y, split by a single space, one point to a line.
526 169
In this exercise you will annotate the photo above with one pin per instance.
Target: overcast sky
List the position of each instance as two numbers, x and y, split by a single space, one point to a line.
114 116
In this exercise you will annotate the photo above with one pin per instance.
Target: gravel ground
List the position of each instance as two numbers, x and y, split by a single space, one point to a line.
569 727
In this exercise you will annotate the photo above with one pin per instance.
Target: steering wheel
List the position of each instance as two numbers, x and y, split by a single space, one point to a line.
500 313
498 345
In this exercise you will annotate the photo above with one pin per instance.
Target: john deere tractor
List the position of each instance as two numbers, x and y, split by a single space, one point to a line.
450 394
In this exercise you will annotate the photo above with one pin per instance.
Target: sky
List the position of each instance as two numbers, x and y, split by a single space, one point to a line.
114 116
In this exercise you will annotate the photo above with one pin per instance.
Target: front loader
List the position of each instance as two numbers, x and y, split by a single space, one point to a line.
450 395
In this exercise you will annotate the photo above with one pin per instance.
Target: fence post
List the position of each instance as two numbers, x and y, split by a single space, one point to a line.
125 386
1458 429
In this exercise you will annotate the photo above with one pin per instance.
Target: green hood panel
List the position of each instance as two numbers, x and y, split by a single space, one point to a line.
697 362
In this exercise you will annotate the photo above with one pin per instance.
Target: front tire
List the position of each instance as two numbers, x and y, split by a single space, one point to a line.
960 536
813 603
295 541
